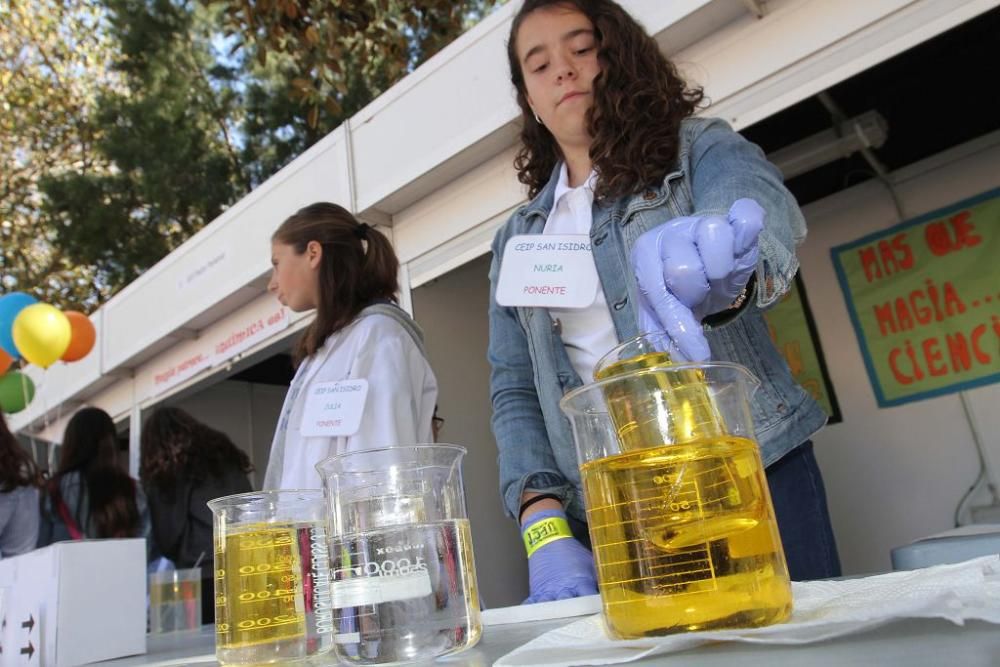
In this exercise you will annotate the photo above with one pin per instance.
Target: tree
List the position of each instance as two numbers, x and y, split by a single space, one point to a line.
169 135
334 56
54 61
155 115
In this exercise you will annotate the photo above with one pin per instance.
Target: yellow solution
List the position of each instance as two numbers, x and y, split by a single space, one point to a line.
651 408
685 538
260 610
174 605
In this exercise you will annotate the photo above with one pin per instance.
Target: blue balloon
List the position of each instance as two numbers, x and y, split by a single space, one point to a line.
10 306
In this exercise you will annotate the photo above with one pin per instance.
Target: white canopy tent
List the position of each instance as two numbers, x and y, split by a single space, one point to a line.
430 162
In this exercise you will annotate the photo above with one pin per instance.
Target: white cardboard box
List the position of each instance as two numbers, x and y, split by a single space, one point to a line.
87 599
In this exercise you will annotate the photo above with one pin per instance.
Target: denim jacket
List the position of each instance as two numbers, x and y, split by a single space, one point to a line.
530 369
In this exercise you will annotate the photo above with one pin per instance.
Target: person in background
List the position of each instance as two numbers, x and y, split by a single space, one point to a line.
361 346
90 496
688 225
184 464
19 482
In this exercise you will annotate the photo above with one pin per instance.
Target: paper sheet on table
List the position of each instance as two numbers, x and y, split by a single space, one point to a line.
543 611
822 610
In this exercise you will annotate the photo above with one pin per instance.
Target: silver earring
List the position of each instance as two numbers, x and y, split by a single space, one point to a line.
537 119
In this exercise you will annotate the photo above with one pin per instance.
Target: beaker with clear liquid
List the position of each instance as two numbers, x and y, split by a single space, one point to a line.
403 574
272 578
680 516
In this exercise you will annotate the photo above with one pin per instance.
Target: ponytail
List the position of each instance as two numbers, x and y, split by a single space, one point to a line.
358 267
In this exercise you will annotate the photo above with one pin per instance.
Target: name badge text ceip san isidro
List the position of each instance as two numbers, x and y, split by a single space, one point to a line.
547 270
334 408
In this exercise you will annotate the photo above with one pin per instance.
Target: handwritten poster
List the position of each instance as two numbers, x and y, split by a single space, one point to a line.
924 297
793 331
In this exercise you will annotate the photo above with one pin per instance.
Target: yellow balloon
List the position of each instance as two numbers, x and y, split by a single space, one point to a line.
41 333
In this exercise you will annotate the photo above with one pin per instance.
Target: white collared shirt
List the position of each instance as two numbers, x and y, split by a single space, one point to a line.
402 392
588 333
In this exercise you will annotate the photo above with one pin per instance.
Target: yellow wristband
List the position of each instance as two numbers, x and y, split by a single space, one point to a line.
545 531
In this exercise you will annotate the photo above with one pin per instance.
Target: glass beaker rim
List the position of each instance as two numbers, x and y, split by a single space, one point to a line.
170 576
287 498
610 356
459 450
565 403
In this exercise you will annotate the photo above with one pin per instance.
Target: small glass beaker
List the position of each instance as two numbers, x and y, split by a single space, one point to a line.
272 578
691 412
175 601
678 507
404 578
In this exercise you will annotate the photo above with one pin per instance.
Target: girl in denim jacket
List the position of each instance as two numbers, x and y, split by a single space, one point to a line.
691 231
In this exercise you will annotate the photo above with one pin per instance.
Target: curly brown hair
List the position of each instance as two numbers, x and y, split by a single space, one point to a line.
639 103
175 444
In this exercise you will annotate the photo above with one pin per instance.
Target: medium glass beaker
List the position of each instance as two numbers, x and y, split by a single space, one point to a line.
404 579
690 412
272 578
678 507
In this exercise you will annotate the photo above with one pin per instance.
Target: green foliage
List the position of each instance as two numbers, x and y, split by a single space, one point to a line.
128 125
329 58
167 135
53 65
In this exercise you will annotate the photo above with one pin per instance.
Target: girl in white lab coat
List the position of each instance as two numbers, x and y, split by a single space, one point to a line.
362 379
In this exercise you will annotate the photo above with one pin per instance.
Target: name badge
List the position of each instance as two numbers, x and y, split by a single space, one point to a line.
334 408
550 271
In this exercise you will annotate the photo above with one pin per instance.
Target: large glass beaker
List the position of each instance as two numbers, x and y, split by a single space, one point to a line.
404 579
678 507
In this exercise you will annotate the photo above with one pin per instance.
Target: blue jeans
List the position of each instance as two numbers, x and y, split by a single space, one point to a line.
803 519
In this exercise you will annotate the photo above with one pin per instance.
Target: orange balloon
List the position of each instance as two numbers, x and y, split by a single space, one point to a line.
82 339
5 361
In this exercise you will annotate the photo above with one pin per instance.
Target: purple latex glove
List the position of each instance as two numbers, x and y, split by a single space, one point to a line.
691 267
561 569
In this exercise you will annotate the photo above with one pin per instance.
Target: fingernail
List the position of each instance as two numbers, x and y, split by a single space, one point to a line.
745 208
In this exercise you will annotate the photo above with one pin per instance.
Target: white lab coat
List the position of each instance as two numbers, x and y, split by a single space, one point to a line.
402 392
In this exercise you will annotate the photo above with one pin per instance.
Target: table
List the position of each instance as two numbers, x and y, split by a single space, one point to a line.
913 643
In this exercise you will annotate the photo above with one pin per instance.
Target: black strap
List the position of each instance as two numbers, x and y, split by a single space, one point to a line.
729 314
531 501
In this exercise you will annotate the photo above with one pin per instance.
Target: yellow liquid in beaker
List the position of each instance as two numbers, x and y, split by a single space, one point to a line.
175 605
659 407
685 538
260 607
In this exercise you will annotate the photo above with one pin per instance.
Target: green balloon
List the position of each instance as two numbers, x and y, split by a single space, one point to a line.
16 391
